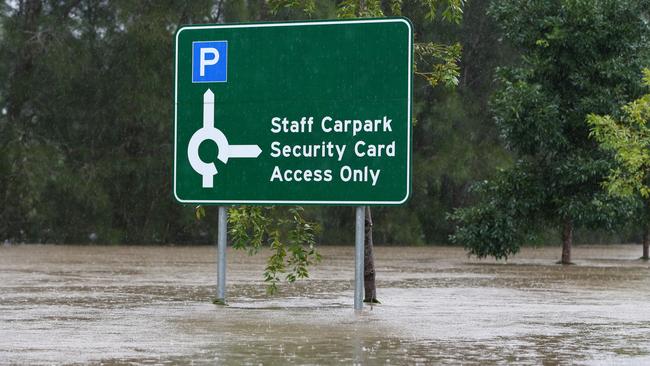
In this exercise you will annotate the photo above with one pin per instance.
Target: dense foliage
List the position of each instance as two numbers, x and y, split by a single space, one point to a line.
85 128
629 139
85 133
86 113
578 57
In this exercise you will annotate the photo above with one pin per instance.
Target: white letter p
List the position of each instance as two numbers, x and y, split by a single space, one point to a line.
203 62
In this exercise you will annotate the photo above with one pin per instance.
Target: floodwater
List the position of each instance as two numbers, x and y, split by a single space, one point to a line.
152 305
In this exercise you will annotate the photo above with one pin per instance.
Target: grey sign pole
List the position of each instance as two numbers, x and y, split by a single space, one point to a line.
221 250
358 257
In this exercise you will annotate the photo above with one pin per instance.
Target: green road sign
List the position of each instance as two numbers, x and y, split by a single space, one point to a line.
294 113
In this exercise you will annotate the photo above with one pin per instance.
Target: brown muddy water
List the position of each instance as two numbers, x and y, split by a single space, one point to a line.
152 305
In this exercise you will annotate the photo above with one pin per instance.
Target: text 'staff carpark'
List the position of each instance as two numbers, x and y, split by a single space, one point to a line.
294 113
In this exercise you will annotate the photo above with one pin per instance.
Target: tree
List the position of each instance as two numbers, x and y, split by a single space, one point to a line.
629 138
578 57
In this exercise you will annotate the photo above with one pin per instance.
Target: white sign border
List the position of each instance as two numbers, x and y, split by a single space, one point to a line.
291 24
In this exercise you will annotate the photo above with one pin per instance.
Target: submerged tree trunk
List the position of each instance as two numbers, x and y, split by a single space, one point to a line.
370 288
646 243
567 241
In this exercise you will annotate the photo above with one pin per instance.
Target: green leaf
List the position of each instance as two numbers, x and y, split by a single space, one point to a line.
199 212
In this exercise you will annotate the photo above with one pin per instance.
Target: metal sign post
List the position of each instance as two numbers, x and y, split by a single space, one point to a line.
359 236
222 237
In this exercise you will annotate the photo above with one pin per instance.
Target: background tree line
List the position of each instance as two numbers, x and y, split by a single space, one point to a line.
86 122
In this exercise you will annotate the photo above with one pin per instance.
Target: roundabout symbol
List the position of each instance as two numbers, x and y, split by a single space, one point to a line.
209 132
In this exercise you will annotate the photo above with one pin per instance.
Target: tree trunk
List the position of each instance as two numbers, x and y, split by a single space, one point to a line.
646 243
370 288
567 241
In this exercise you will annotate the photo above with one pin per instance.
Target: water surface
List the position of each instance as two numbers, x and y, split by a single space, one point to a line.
152 305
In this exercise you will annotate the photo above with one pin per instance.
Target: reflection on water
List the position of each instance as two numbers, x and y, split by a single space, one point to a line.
61 304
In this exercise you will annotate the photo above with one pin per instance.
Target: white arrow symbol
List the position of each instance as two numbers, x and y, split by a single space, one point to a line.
209 132
240 151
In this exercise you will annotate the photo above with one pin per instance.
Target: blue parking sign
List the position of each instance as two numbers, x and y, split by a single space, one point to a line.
209 61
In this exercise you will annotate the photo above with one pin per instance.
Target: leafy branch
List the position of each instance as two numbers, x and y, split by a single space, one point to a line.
435 62
291 240
306 6
438 63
